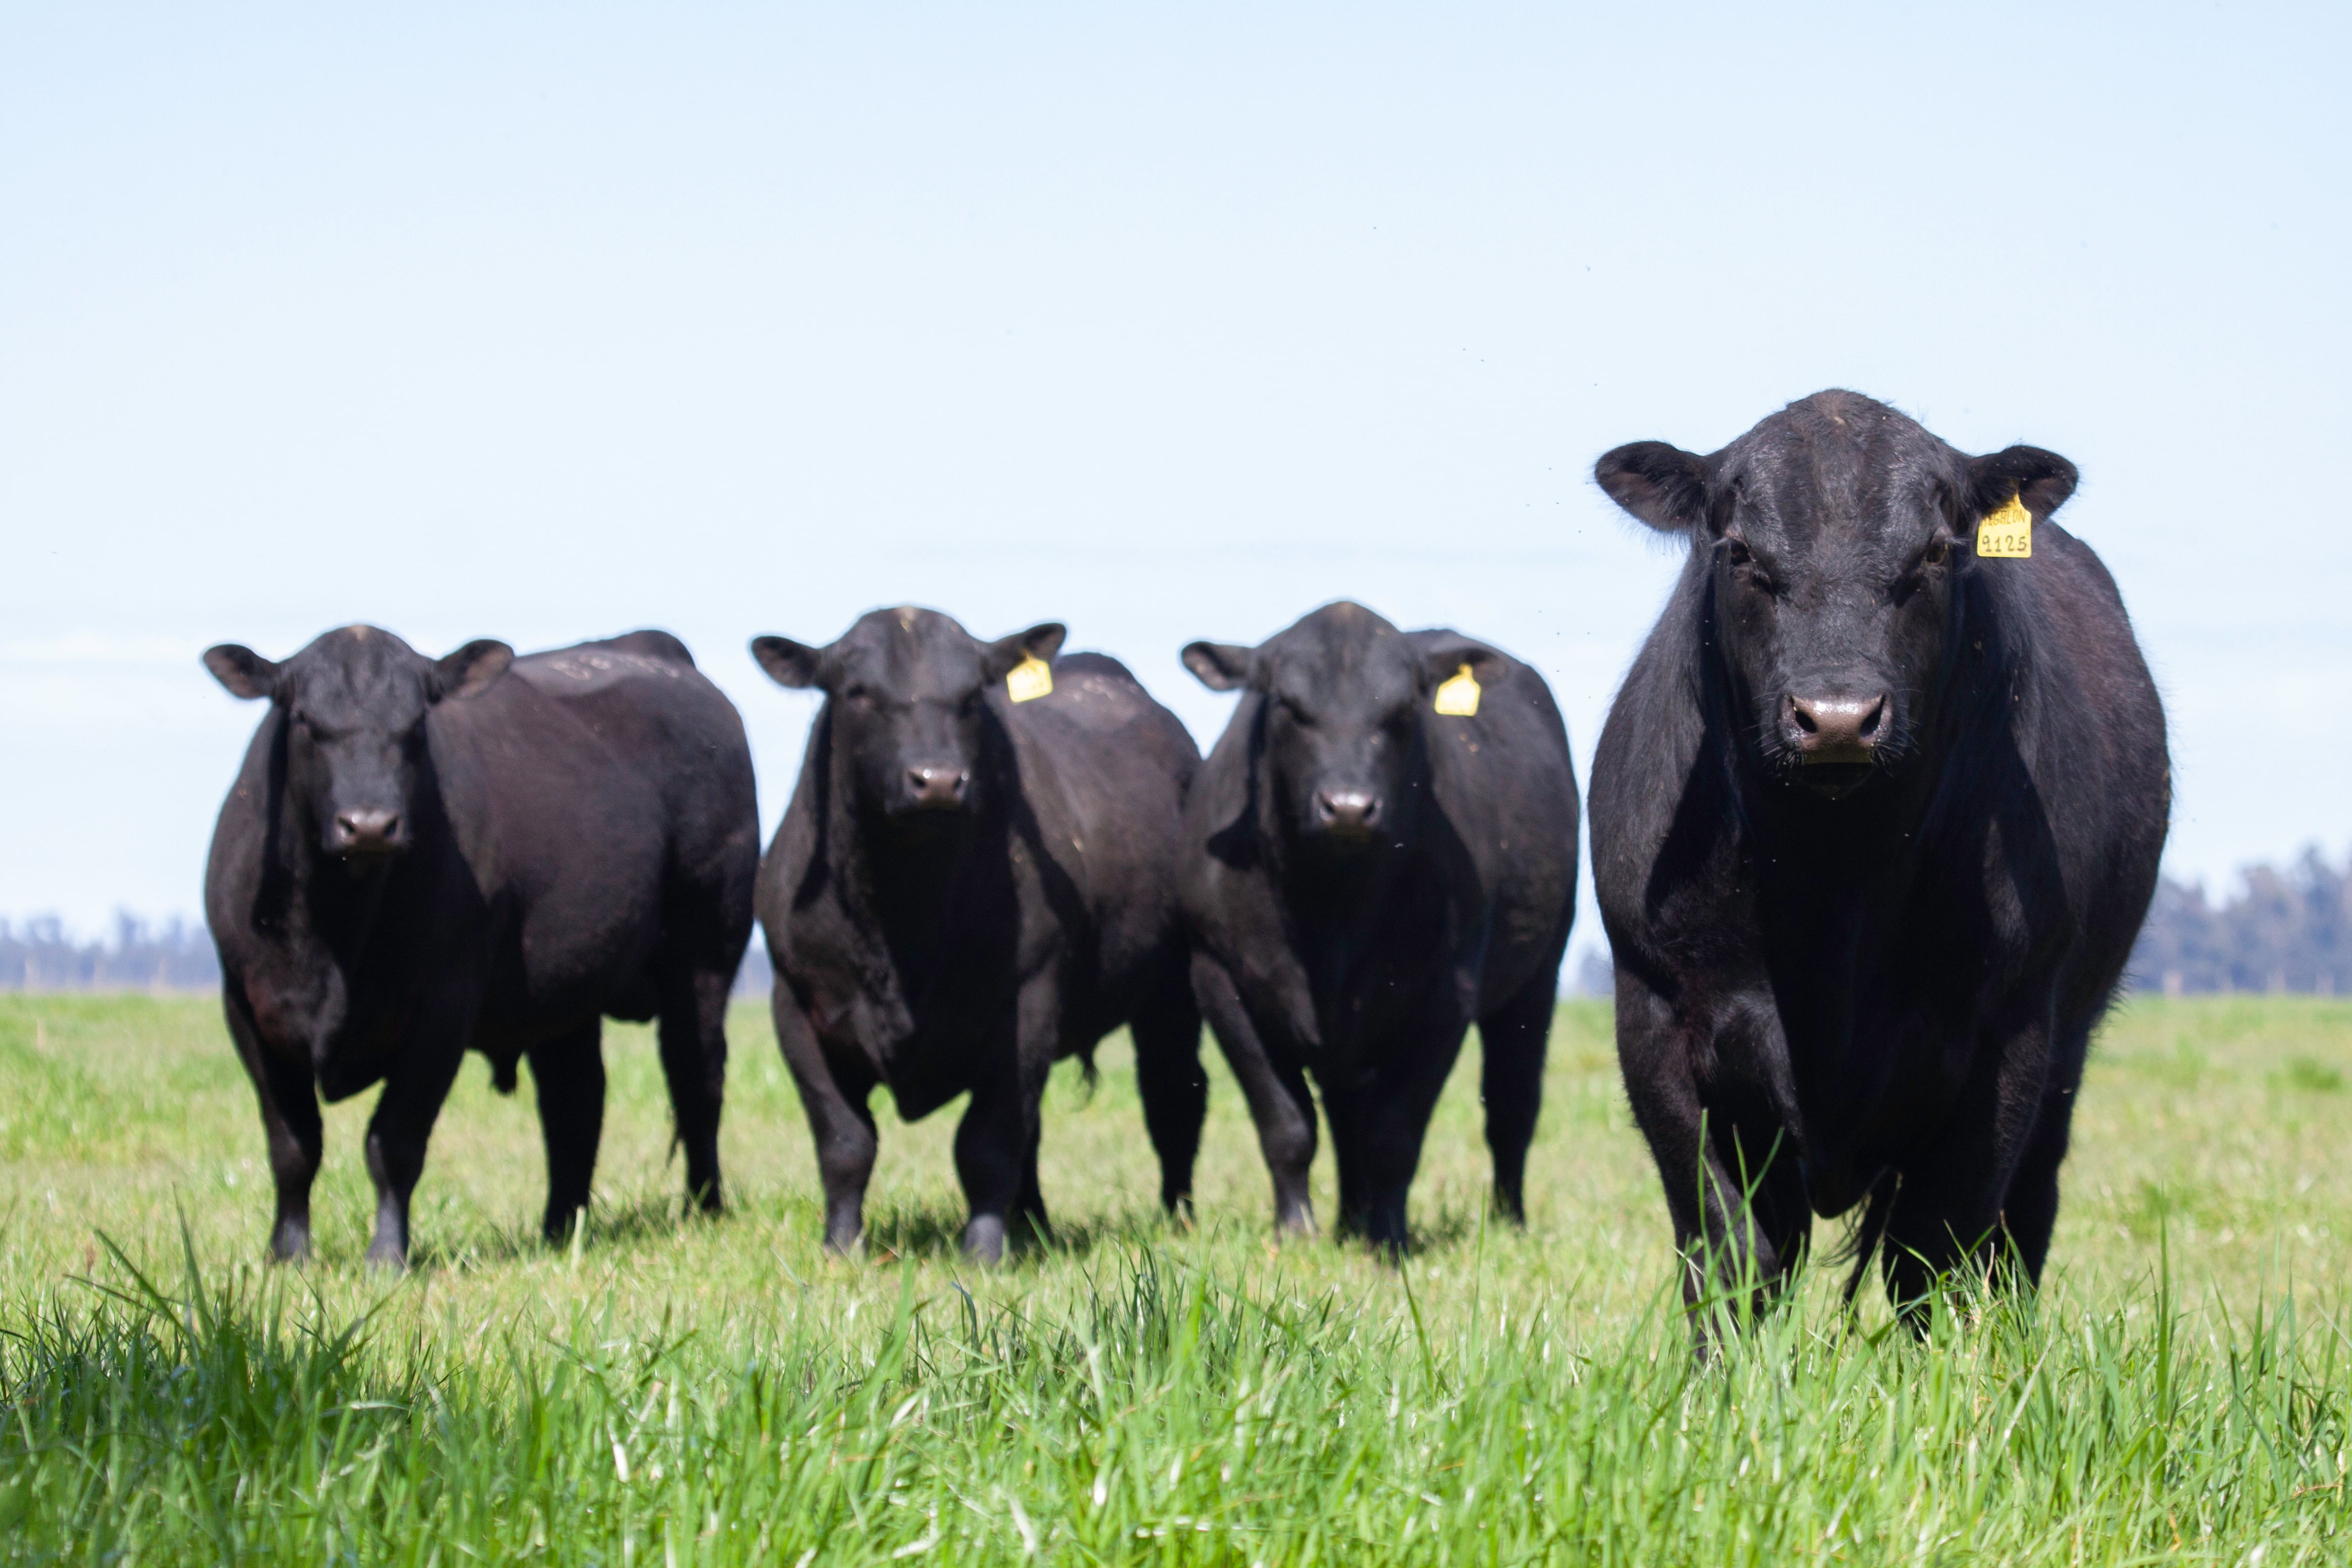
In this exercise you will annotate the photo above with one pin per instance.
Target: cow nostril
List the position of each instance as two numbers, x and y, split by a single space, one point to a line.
1870 720
937 786
364 827
1804 717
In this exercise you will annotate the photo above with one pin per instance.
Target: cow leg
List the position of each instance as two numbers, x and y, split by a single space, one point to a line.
693 1061
2031 1211
1765 1175
996 1142
996 1159
1377 1130
1728 1255
1029 1205
1947 1212
291 1122
840 1121
400 1128
1174 1090
1280 1104
568 1072
1511 1045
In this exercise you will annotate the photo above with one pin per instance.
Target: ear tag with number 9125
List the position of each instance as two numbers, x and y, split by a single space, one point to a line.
1458 698
2007 533
1031 679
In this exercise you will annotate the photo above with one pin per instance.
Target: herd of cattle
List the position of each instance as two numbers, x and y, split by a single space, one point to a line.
1876 817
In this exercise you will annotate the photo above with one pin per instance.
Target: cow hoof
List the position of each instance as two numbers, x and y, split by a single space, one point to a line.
387 1260
983 1240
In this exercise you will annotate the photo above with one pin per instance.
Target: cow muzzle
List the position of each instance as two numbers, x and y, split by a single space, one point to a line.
1346 815
367 833
937 786
1834 732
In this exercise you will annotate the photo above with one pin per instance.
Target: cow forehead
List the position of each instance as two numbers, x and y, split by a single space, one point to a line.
360 675
1342 660
1839 484
911 653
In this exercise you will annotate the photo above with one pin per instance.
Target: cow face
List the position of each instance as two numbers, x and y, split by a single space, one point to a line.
1345 697
907 692
355 702
1838 533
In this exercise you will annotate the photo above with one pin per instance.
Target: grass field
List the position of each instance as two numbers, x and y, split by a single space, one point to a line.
671 1391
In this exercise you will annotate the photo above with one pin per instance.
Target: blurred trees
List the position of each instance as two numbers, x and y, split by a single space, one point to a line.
38 955
2286 930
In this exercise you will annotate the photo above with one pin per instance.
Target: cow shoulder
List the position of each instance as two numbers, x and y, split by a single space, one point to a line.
1653 789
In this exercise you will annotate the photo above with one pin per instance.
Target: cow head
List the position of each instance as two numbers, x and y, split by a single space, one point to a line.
354 702
1839 533
1345 696
907 692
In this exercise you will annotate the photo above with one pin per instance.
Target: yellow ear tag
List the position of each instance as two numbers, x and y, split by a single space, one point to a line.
2006 532
1458 698
1031 679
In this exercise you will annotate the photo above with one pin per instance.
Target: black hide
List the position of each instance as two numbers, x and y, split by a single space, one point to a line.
1874 823
964 890
420 857
1365 878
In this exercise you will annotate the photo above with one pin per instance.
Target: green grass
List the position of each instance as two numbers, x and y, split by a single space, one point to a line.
675 1391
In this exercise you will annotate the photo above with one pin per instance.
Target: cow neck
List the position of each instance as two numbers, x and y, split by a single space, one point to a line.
1342 908
903 886
1843 883
310 901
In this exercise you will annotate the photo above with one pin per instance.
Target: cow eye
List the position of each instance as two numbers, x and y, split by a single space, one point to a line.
1737 553
1298 716
1935 554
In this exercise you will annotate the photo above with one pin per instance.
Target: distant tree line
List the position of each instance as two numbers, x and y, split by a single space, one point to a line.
2287 930
170 955
175 955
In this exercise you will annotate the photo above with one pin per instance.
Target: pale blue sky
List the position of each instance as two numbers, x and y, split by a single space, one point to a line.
547 322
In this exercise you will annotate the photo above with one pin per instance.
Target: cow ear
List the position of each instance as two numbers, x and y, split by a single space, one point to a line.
2042 480
471 670
1444 661
788 663
1040 642
245 672
1220 666
1664 486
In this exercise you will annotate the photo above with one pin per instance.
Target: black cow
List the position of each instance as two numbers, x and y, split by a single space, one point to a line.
1367 874
967 889
1875 821
423 856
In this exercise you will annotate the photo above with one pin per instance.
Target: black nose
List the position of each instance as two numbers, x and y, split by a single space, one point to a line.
1347 810
1835 728
372 831
936 788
